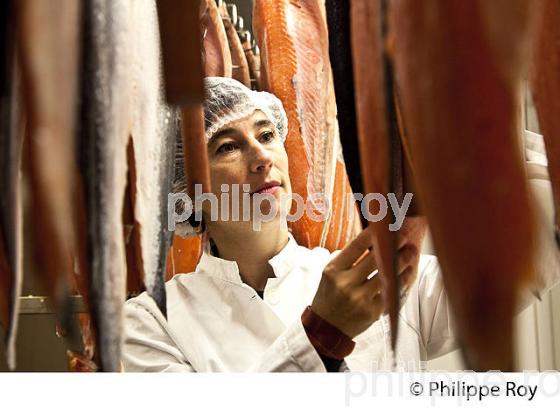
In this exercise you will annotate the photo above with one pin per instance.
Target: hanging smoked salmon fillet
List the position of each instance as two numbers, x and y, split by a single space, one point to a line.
190 151
459 66
216 48
49 51
295 67
240 67
253 61
377 137
185 251
102 141
545 84
181 42
154 129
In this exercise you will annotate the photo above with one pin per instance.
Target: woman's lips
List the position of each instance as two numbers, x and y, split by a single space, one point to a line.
269 190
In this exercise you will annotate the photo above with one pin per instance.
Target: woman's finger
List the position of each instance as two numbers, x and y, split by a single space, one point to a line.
372 287
352 251
363 268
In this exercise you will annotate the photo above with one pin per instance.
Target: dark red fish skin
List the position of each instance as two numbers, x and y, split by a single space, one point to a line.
545 85
181 47
459 77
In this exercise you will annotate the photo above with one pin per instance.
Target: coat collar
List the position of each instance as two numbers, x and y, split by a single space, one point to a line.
282 263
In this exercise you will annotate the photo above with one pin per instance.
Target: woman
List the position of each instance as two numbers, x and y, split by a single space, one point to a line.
258 301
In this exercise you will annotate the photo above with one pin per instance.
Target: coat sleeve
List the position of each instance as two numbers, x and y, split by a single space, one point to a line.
291 352
147 346
428 310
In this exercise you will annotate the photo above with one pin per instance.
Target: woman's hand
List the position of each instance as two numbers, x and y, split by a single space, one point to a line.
346 298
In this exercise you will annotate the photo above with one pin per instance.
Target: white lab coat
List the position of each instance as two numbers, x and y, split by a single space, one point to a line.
215 322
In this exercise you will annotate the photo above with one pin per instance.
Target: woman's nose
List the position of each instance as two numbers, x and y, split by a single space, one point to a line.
261 159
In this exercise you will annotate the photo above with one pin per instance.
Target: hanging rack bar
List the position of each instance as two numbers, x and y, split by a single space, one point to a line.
38 305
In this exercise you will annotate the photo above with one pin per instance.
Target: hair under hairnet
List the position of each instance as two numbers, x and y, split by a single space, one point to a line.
228 100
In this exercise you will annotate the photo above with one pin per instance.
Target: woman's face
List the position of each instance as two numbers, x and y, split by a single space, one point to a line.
250 154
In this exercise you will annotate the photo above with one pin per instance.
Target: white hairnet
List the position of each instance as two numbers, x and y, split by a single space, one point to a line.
228 100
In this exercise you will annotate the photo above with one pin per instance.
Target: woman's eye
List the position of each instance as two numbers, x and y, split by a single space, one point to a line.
226 148
267 137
